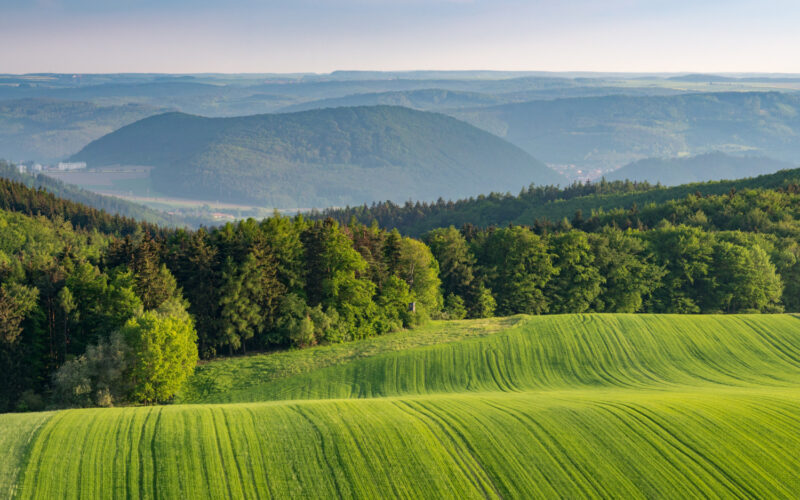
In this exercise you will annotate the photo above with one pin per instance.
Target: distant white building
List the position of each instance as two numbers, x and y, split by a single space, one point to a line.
37 167
22 168
71 165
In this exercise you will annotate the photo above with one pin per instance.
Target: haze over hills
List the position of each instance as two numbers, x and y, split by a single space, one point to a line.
443 99
424 99
584 125
110 204
598 134
50 129
706 167
329 157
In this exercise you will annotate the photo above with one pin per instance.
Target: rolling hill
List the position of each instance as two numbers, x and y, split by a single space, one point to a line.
446 100
424 99
110 204
51 129
599 134
701 168
319 158
498 209
570 406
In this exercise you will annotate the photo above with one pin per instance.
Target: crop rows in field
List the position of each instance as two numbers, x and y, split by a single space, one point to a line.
558 352
16 435
625 444
626 406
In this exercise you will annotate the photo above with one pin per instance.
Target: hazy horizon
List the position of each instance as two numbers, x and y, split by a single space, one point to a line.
320 36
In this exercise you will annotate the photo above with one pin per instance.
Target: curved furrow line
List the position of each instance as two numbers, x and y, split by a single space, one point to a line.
736 487
454 446
324 450
551 452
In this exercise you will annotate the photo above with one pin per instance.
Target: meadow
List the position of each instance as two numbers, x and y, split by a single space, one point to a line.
626 406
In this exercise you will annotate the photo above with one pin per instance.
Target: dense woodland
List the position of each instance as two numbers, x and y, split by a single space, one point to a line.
101 310
83 198
540 204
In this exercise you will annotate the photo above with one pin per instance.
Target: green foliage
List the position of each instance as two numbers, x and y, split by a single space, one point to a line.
577 282
600 203
239 314
164 346
303 335
630 275
16 302
457 271
57 201
100 377
517 266
420 271
484 304
293 283
747 280
454 307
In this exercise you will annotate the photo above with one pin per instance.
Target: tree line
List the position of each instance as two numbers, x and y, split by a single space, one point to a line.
545 204
92 314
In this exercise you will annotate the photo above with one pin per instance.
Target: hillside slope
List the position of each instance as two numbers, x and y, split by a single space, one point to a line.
423 99
605 133
319 158
497 209
554 352
47 130
574 406
700 168
110 204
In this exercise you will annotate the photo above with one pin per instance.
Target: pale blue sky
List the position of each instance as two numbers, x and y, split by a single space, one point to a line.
324 35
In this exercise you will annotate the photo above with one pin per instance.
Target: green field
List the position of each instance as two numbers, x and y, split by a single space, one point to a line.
626 406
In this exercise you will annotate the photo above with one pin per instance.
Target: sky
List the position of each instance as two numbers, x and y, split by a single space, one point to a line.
268 36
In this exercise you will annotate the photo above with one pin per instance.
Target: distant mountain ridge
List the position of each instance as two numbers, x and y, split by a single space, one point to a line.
318 158
423 99
608 132
50 129
700 168
110 204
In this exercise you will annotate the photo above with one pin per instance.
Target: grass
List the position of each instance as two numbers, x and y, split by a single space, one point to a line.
215 381
16 434
544 352
573 406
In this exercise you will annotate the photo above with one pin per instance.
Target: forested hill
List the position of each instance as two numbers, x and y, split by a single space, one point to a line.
50 129
546 203
318 158
37 201
700 168
109 204
611 131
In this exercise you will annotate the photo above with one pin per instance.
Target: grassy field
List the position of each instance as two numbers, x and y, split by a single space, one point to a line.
16 434
620 406
539 353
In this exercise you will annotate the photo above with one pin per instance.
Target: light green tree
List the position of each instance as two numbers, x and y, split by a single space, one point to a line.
164 349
